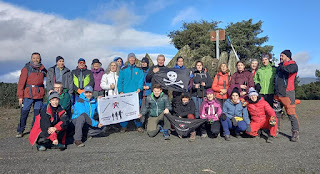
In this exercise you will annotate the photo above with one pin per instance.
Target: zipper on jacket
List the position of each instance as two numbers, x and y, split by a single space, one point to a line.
156 105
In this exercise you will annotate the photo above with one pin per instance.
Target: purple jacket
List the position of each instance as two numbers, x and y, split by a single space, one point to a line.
238 78
210 110
97 75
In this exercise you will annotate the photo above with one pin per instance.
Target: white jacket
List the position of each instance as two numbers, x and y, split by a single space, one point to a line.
107 80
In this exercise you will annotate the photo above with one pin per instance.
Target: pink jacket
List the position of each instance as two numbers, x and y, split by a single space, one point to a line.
210 110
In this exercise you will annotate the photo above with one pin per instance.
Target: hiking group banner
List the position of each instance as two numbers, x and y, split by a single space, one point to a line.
173 79
118 108
184 126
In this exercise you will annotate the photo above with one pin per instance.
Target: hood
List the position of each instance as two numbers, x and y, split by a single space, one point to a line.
178 67
116 58
82 96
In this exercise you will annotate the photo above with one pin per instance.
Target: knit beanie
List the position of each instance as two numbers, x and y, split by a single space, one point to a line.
287 53
210 91
252 92
58 58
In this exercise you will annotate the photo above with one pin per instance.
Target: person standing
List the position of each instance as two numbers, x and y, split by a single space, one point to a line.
130 80
59 73
201 81
156 68
285 90
242 79
254 66
30 90
264 79
82 77
109 80
221 83
119 61
146 85
97 72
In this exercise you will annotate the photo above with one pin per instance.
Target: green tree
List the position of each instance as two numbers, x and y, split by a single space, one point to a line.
244 36
197 36
317 73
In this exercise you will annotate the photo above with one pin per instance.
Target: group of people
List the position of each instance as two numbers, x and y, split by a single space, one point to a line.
245 102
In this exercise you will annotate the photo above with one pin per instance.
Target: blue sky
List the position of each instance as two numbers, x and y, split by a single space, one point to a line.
105 29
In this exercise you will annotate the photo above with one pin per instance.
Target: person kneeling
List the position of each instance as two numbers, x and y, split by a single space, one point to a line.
186 109
262 115
210 109
236 116
157 105
84 111
48 130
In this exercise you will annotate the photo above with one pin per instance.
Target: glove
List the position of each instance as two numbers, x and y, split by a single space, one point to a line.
248 128
258 87
272 121
223 116
234 122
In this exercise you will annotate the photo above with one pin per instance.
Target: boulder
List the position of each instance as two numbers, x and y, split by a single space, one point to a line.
211 64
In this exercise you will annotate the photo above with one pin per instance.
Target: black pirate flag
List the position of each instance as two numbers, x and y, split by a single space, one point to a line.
173 79
184 126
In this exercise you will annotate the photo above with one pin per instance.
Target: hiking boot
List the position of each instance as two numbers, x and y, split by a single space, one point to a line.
295 136
140 130
58 146
227 137
123 130
19 135
160 128
270 139
180 136
41 148
204 135
78 143
166 134
192 136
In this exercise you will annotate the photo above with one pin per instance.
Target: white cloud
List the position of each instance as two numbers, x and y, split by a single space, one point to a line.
306 68
23 32
11 77
185 15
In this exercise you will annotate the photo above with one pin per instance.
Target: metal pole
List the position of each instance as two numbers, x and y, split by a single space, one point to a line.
217 45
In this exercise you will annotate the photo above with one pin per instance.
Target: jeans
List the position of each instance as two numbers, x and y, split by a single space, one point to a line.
227 124
27 103
197 101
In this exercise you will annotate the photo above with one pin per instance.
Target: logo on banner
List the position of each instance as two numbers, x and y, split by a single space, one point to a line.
172 76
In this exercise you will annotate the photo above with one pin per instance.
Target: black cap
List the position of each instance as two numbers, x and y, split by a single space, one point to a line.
235 90
58 58
96 61
287 53
145 60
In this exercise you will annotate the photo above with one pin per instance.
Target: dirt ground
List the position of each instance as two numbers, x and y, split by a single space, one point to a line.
133 152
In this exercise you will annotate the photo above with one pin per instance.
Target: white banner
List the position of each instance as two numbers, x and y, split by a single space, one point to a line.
118 108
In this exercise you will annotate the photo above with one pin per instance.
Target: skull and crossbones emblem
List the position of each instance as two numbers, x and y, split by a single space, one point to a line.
172 76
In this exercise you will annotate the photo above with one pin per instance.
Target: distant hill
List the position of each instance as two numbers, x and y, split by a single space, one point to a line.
306 80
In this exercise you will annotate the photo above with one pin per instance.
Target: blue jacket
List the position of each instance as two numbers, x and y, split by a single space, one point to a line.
130 79
238 110
84 106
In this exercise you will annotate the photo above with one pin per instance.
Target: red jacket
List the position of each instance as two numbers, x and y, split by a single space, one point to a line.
44 120
260 111
219 84
30 83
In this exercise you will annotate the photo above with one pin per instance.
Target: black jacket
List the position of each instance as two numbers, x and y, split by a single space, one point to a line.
198 78
184 110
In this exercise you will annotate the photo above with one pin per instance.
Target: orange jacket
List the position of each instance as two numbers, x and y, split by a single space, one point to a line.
222 83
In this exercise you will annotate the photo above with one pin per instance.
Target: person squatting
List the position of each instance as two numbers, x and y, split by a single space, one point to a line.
241 104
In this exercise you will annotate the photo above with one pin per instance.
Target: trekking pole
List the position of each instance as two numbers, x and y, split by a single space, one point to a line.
224 87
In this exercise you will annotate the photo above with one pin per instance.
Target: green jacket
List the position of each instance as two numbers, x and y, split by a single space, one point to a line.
156 106
265 76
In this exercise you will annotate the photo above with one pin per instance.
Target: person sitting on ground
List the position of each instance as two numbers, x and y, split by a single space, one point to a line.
49 128
235 116
211 110
83 116
97 73
157 105
186 109
262 115
65 99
